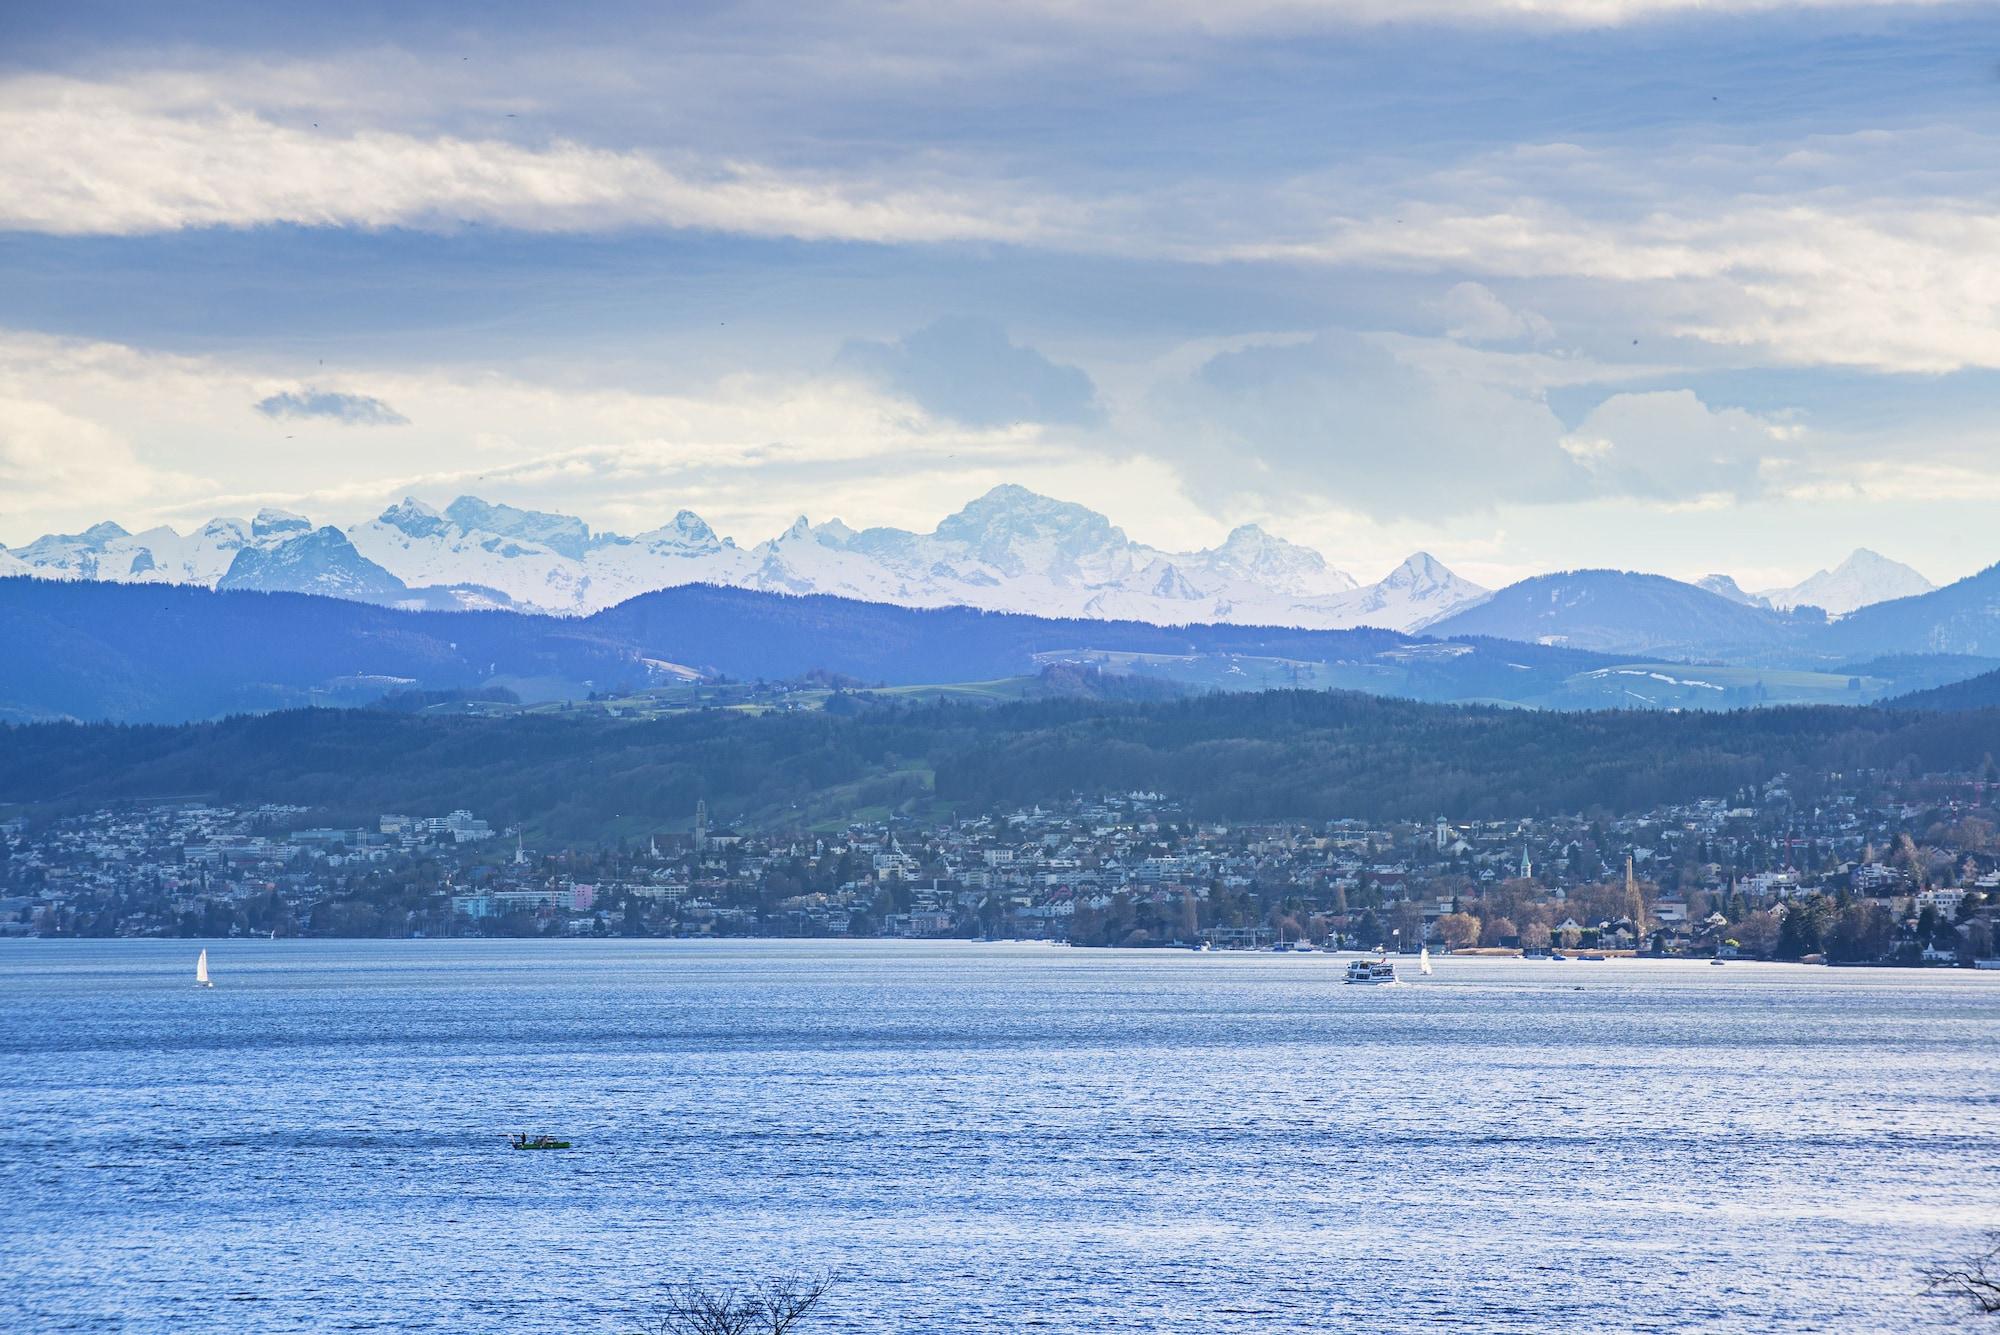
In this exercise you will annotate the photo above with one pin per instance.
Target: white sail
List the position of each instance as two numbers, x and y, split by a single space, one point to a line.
1424 961
201 971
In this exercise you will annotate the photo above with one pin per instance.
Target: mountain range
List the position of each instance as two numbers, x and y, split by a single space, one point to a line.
1011 550
171 653
152 652
1863 579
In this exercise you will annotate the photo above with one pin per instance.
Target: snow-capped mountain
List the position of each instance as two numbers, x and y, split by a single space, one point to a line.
1413 595
1010 550
1726 587
1864 578
318 561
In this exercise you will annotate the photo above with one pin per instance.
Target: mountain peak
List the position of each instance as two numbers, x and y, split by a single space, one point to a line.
1253 554
1726 587
686 530
313 560
558 533
1422 566
1865 577
411 516
271 521
1012 508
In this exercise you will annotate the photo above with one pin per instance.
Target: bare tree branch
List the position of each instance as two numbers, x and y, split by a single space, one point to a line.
773 1307
1976 1279
787 1302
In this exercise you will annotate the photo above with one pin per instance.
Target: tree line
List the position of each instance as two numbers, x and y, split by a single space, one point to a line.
1279 754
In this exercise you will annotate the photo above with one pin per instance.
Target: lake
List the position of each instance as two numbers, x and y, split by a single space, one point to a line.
982 1138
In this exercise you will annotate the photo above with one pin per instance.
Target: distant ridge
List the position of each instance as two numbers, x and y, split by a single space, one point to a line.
1620 612
1981 692
1010 550
167 653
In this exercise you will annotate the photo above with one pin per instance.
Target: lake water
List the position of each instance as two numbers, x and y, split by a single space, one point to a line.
982 1138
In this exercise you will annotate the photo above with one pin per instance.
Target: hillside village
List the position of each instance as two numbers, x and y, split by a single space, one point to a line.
1909 875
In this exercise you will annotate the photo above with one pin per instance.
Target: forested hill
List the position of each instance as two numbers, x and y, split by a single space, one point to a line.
1274 754
1981 692
167 653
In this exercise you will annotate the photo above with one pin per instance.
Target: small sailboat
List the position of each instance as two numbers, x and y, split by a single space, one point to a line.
1424 961
201 970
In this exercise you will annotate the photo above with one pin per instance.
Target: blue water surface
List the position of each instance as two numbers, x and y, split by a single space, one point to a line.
981 1138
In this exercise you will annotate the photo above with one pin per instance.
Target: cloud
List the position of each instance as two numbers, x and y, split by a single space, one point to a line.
967 370
168 153
1812 286
348 409
1473 312
1667 445
1343 417
90 431
1298 15
54 463
1377 427
1844 249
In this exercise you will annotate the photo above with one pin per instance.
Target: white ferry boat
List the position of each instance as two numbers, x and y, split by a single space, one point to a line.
1371 971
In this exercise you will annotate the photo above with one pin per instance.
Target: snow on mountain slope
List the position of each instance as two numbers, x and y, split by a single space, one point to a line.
318 561
158 555
1010 550
1726 587
1864 578
1416 593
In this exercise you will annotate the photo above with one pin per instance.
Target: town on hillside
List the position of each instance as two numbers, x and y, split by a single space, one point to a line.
1878 869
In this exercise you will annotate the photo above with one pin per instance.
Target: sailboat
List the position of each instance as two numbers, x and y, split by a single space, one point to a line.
1424 961
201 971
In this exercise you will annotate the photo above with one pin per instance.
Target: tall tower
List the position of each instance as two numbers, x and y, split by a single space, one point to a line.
1527 867
1443 835
700 825
1635 907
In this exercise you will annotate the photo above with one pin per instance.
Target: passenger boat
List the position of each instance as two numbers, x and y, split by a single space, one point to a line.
527 1142
1371 971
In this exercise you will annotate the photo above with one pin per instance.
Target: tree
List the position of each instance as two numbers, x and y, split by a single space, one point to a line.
1975 1279
1535 936
773 1307
1458 930
1864 931
1495 930
1808 920
1757 932
1408 922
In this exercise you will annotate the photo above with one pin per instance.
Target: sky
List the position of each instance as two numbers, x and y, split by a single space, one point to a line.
1672 285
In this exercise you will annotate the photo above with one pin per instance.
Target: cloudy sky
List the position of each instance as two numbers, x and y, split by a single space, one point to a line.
1680 285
